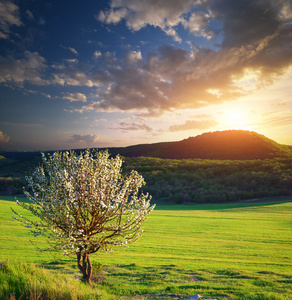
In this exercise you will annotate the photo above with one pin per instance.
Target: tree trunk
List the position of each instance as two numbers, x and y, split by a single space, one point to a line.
85 267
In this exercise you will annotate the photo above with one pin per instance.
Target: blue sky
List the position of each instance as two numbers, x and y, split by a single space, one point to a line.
78 74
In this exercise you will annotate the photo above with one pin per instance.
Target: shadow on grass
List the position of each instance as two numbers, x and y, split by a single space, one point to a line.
20 197
55 265
224 206
194 206
171 281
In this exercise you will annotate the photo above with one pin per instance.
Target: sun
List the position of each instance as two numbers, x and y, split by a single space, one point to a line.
236 118
235 115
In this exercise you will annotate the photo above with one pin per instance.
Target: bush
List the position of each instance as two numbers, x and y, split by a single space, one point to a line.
11 186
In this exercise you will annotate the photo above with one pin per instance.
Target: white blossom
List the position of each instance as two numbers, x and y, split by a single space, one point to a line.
84 204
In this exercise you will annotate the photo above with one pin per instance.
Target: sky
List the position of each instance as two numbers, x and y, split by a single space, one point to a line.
94 73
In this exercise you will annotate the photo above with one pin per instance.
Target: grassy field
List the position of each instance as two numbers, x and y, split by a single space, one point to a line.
227 251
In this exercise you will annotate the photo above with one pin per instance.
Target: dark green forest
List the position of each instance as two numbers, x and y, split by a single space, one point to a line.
209 181
181 180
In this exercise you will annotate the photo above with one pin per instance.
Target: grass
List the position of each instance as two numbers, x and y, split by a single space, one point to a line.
27 281
227 251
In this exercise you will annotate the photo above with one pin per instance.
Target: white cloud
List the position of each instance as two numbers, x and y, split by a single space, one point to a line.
72 97
165 14
9 16
73 50
71 60
97 54
4 138
134 57
73 73
114 16
198 24
28 68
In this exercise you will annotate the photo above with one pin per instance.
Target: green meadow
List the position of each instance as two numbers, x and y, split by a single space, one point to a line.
226 251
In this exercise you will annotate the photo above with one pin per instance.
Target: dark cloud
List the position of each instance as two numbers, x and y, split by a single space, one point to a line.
257 39
245 22
132 126
87 139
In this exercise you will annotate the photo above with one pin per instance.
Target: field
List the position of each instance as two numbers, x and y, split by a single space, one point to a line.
226 251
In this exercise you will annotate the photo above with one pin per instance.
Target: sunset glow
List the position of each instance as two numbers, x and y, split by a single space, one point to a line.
117 73
236 118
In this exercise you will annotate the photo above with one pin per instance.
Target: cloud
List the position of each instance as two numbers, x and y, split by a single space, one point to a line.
29 15
242 21
9 16
194 124
246 22
4 138
73 50
74 73
255 50
198 24
131 126
164 14
72 97
71 60
256 43
134 57
97 54
87 139
172 78
18 70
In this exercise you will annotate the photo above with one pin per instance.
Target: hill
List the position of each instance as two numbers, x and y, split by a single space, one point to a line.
229 144
212 167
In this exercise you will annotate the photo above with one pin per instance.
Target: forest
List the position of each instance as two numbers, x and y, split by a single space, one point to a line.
182 180
212 167
211 181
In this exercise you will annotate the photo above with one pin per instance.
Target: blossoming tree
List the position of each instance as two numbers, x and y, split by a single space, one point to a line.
85 205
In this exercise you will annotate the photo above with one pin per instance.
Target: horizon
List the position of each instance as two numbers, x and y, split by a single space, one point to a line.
133 145
107 73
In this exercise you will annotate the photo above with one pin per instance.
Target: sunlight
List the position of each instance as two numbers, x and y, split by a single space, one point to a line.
236 118
235 115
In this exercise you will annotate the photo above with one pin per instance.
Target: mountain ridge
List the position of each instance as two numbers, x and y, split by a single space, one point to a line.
228 144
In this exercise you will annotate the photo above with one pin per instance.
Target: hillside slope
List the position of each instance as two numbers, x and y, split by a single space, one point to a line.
229 144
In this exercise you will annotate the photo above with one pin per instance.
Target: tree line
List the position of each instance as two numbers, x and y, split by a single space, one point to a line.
205 181
187 180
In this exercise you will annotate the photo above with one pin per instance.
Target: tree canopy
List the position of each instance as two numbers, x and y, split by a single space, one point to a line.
85 205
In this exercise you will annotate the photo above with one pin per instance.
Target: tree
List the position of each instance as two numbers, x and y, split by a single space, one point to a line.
85 204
